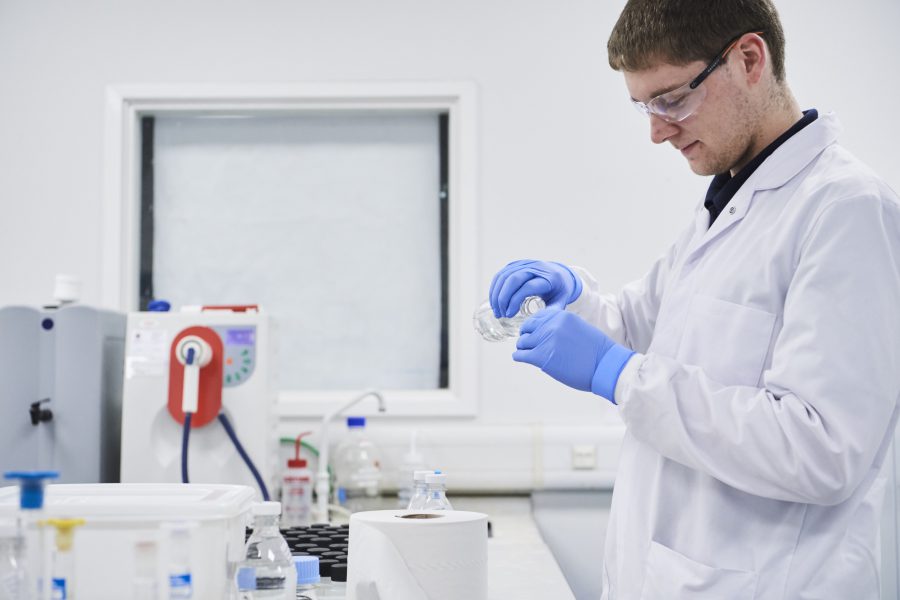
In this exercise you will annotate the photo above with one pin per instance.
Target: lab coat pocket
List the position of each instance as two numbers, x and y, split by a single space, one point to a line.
728 341
672 575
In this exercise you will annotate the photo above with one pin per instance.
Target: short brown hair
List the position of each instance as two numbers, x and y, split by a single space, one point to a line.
679 32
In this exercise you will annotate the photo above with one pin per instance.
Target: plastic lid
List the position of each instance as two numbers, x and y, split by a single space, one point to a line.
159 306
436 478
339 572
325 565
356 421
420 475
31 486
267 509
307 569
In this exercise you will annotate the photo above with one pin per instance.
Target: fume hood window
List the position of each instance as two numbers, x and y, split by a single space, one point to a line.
336 224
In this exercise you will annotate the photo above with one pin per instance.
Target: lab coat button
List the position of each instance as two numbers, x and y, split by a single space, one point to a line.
731 211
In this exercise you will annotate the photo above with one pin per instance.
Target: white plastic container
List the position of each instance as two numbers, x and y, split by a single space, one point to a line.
119 515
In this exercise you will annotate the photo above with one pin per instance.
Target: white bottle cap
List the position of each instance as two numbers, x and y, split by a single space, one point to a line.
66 288
421 475
436 478
267 509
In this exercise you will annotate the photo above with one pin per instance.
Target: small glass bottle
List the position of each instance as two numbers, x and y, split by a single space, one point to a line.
420 490
268 569
338 589
437 492
307 577
493 329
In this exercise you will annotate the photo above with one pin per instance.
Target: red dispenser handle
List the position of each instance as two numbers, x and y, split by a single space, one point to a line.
210 385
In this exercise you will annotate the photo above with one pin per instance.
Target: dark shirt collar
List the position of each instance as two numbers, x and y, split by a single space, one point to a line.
723 186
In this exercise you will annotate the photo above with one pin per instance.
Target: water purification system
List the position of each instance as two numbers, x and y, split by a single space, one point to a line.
197 400
61 390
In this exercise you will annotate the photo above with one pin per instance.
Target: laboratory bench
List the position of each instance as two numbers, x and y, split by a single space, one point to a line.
520 565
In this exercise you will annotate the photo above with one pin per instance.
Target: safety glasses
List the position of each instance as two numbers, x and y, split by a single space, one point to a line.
680 103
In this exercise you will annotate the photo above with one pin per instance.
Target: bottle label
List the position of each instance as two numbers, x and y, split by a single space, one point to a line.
58 590
180 586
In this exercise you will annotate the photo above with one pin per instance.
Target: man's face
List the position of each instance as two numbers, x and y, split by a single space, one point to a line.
715 138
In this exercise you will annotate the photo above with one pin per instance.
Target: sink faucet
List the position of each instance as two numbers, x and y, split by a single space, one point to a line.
323 484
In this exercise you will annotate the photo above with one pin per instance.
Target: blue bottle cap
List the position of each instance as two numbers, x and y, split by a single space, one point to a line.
307 569
159 306
356 421
31 487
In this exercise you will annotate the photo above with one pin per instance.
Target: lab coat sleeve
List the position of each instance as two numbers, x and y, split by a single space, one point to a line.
628 317
813 432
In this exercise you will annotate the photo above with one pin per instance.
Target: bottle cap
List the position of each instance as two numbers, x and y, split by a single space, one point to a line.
159 306
325 565
421 475
66 289
435 478
339 572
307 569
267 509
65 532
356 421
31 486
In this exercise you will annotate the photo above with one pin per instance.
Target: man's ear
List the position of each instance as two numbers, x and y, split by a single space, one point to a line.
753 55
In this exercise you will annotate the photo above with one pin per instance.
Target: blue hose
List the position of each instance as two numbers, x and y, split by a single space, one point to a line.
184 447
237 444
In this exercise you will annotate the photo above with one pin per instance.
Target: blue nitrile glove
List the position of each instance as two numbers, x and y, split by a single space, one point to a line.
570 350
553 282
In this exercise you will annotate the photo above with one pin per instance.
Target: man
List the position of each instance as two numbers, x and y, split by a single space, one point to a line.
757 365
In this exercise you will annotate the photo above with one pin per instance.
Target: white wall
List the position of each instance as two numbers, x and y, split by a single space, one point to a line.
567 171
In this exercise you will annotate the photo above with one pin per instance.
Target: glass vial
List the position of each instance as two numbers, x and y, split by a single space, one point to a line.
493 329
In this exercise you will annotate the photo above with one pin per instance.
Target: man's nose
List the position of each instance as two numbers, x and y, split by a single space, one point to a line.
660 129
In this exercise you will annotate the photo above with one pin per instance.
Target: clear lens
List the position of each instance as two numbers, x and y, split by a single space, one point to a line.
679 104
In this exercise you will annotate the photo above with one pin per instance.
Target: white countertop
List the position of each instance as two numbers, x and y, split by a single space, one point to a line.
520 565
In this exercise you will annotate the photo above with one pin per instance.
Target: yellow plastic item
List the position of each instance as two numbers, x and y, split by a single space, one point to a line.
65 531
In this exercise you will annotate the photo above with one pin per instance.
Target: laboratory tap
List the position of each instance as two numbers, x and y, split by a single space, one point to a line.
323 483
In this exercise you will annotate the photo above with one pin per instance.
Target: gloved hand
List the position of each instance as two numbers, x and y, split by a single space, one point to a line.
570 350
553 282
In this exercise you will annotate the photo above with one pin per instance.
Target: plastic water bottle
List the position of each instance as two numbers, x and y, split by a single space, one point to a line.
358 468
493 329
437 492
420 490
268 570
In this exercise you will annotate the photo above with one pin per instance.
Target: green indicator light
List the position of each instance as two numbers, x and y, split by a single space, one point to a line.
247 361
245 352
244 369
228 379
237 376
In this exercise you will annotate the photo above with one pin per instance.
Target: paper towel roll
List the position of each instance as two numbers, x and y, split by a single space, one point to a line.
426 555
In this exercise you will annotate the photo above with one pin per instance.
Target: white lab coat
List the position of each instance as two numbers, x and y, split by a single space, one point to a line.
764 394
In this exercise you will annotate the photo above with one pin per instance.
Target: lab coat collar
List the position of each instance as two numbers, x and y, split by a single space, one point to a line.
784 164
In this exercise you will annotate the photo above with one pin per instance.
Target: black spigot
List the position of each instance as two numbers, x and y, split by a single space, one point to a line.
38 414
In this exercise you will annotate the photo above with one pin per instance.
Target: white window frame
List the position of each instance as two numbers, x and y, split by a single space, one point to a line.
127 104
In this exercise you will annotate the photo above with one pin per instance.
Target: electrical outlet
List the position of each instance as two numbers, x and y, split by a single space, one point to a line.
584 457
